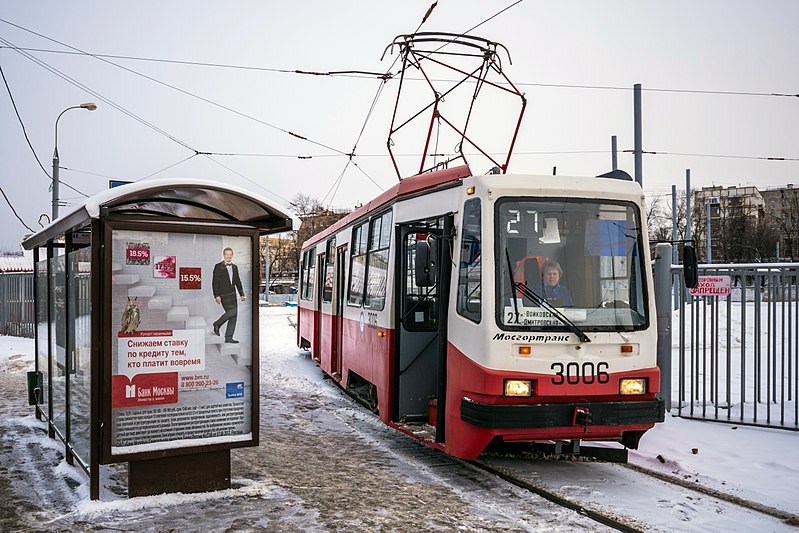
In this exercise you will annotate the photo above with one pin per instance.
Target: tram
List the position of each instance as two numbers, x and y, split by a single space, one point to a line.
434 304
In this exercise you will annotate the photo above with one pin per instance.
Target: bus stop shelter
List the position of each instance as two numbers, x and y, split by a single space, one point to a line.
146 301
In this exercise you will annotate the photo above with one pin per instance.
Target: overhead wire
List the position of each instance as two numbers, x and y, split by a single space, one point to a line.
718 156
167 168
245 178
387 76
477 25
173 87
384 77
123 110
97 95
27 139
363 74
15 211
329 73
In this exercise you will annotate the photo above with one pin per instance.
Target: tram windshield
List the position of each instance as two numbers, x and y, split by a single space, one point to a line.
569 264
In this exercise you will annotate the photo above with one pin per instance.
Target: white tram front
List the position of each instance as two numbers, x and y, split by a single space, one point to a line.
436 304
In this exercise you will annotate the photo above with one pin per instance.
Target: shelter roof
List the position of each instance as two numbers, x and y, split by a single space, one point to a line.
174 198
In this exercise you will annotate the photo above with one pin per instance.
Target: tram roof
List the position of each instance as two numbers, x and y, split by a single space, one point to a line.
171 198
406 187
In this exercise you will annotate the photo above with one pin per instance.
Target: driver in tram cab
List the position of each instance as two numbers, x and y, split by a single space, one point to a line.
554 293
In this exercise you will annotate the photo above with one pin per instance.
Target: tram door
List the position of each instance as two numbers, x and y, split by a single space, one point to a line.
318 342
338 311
418 313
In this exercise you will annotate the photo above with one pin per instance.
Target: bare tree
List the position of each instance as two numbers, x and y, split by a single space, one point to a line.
315 218
660 221
786 222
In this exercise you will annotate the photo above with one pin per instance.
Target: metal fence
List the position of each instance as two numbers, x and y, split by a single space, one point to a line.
17 315
735 357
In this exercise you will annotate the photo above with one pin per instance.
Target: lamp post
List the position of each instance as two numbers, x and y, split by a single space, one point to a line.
91 106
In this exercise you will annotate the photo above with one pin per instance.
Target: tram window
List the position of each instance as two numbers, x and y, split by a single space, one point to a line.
420 303
377 263
308 273
469 272
357 265
330 265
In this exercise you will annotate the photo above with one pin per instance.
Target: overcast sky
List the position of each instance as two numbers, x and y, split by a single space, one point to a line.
575 61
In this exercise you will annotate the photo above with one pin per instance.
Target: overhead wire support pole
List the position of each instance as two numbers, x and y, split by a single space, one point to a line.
675 254
639 150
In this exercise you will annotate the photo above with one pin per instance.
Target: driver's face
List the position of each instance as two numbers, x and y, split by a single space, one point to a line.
551 277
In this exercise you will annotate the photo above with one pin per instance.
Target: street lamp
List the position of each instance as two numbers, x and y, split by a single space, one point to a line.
91 106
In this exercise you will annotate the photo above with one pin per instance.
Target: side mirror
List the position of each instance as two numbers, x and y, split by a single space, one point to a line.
690 266
426 261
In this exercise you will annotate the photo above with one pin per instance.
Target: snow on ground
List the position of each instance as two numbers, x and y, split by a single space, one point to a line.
325 463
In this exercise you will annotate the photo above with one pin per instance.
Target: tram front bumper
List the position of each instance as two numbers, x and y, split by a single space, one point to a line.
552 415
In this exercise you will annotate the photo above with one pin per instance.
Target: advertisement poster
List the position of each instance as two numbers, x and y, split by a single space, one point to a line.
181 345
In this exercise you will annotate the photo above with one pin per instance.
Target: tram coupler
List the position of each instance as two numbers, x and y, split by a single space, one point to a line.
582 417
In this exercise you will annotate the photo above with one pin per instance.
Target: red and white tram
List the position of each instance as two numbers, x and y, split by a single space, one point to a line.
429 302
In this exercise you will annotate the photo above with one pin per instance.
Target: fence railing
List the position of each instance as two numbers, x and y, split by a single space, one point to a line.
17 315
735 357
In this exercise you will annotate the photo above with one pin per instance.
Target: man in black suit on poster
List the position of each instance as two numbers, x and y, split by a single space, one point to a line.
225 283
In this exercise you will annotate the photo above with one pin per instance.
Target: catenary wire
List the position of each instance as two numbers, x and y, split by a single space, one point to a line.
15 211
363 74
207 156
27 139
167 167
478 25
97 95
360 73
385 78
182 91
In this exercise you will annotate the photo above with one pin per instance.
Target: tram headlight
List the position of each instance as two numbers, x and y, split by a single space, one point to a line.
518 387
632 386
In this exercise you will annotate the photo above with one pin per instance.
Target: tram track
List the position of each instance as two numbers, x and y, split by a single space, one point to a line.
601 518
604 493
788 518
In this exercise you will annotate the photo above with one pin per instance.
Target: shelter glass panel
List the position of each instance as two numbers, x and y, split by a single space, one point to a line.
80 309
58 339
42 327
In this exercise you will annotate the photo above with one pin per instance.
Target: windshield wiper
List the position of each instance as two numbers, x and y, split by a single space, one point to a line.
512 286
541 302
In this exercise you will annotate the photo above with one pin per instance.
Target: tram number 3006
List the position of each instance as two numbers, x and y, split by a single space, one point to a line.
576 373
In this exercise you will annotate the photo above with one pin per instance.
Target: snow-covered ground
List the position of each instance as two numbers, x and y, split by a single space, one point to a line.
325 463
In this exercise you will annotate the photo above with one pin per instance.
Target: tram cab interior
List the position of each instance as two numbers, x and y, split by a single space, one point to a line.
597 247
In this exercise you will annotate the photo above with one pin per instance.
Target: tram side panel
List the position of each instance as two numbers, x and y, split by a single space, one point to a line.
361 300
